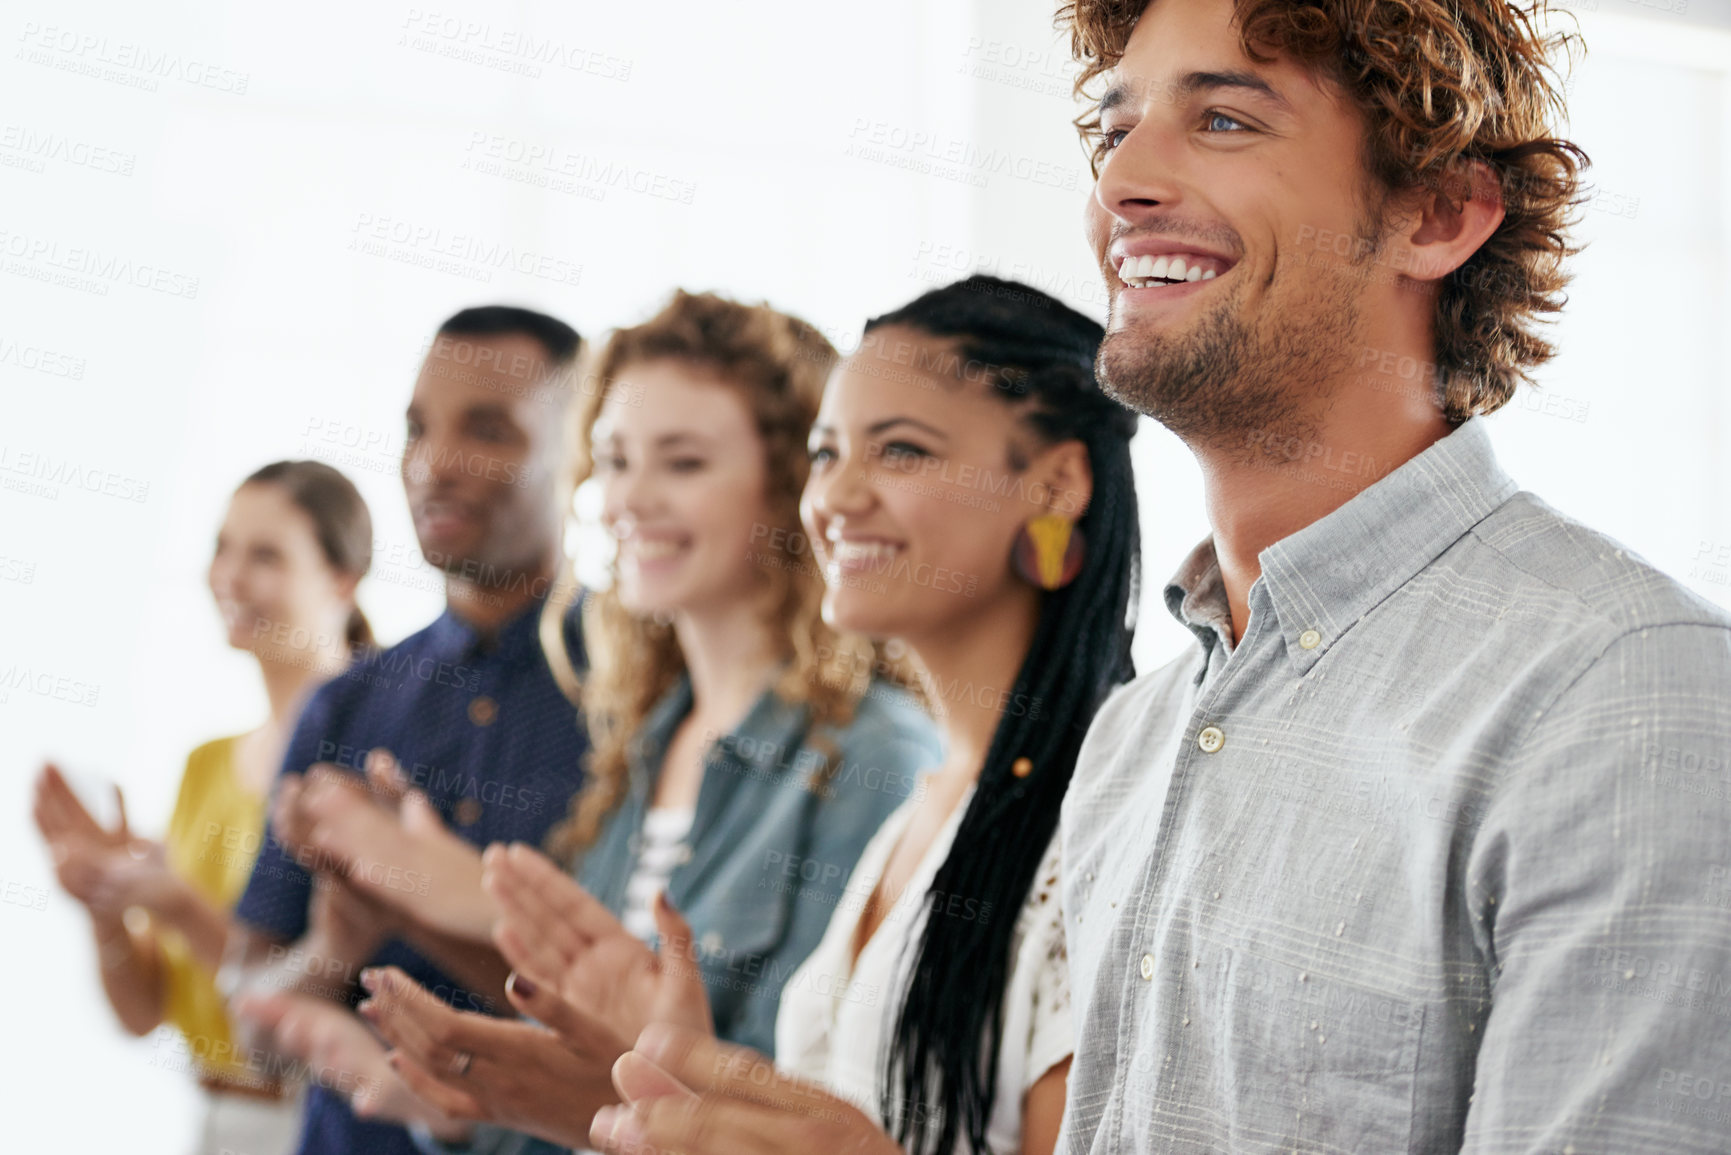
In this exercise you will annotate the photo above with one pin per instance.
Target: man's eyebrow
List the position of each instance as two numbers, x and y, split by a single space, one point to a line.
1192 83
1113 97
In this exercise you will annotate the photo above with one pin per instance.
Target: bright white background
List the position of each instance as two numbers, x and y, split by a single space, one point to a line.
788 151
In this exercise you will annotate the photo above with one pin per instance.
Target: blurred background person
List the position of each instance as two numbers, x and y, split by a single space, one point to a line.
474 714
293 546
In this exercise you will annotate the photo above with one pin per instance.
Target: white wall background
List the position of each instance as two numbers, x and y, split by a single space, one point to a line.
779 149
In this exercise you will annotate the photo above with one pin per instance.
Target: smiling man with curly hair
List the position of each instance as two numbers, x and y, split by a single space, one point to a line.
1424 846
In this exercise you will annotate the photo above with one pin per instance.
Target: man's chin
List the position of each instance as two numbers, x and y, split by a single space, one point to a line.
450 555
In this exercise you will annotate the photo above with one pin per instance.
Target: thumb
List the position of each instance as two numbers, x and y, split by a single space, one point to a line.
681 996
121 829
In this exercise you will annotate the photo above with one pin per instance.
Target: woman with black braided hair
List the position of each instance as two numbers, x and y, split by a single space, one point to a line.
971 495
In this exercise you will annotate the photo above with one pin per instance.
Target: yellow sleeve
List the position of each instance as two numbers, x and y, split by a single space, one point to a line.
212 839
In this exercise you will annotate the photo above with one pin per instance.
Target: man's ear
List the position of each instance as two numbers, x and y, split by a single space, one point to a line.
1069 477
1441 227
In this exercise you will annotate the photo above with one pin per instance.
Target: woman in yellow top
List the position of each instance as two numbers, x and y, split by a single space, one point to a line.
293 546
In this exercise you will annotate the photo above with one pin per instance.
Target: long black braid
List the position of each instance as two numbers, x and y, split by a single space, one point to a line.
942 1059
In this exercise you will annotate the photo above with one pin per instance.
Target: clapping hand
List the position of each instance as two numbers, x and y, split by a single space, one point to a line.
687 1093
561 937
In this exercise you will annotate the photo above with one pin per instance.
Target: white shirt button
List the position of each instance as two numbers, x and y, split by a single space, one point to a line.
710 943
1310 639
1211 738
1147 966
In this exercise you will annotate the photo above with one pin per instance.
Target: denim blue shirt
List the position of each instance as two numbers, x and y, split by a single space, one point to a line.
780 821
486 732
1433 858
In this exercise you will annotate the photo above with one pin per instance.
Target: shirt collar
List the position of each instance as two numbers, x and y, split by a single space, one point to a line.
454 639
769 735
1321 580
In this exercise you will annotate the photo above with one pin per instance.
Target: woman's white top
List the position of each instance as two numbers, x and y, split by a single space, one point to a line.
836 1019
661 850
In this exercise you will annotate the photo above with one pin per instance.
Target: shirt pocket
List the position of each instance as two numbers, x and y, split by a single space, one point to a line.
1316 1064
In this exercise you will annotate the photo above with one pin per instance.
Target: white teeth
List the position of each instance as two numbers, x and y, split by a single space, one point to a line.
857 552
1147 271
654 550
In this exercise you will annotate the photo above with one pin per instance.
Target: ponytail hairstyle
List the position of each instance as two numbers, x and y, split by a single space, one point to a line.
941 1066
341 525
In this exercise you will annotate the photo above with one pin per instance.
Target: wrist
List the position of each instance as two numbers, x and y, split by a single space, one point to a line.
177 904
108 925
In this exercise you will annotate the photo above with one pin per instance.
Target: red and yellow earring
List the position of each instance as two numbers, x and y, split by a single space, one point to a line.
1048 551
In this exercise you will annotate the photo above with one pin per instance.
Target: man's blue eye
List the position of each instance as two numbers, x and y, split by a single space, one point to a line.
1220 122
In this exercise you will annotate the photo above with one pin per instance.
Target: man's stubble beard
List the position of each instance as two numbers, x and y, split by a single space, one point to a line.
1227 388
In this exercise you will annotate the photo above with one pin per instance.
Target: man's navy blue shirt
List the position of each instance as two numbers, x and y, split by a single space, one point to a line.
486 732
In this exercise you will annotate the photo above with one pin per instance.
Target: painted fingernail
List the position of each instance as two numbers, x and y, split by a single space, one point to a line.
520 986
370 978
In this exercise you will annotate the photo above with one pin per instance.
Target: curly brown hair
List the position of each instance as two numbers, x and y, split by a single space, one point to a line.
778 364
1441 84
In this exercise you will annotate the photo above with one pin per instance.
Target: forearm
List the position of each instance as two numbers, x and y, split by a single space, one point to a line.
131 967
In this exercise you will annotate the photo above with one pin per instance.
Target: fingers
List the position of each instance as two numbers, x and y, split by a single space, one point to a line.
527 949
387 779
402 1012
697 1125
636 1079
546 920
60 807
582 1034
709 1066
419 816
285 811
447 1099
421 1026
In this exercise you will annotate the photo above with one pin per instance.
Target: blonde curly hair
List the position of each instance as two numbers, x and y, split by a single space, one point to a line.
1440 83
778 364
